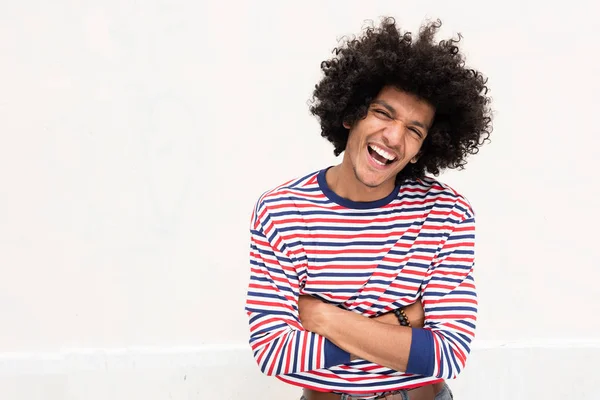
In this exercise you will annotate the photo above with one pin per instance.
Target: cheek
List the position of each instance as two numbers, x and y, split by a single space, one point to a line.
415 147
353 142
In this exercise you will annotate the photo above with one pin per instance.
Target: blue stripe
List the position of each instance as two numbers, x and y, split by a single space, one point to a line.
467 323
350 213
354 228
341 274
272 346
412 250
259 334
311 353
316 291
458 308
349 242
297 349
444 279
267 296
441 294
455 338
451 359
282 355
390 293
262 312
355 258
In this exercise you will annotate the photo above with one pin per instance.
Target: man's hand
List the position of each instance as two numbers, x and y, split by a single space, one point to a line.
314 312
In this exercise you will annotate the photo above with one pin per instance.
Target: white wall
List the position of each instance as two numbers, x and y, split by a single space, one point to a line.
135 137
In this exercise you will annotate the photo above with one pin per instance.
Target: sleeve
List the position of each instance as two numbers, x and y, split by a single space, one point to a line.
449 299
279 342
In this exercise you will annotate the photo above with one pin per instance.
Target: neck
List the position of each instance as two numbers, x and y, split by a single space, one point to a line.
342 180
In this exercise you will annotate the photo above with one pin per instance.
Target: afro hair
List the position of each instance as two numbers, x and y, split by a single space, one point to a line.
432 71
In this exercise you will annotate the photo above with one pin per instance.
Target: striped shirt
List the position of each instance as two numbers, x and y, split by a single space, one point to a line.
369 258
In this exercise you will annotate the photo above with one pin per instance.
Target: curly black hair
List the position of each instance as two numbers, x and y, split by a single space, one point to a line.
432 71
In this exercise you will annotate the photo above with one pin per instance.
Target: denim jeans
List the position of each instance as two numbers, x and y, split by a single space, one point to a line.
444 394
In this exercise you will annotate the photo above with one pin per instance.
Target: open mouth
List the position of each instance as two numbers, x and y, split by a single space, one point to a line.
380 156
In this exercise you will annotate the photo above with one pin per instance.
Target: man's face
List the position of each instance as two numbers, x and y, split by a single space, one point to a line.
388 138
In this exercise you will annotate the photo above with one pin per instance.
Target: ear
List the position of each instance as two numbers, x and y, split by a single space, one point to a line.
346 125
415 158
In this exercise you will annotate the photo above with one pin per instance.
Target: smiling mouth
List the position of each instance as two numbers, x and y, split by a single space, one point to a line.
380 156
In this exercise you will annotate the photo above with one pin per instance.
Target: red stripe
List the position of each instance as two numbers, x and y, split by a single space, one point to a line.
288 358
277 355
260 285
359 235
465 228
325 374
302 362
459 259
460 328
439 286
319 351
268 321
341 267
453 245
336 282
454 300
355 221
348 251
461 356
390 307
451 316
283 202
392 275
293 192
438 356
397 285
259 358
265 303
410 257
455 273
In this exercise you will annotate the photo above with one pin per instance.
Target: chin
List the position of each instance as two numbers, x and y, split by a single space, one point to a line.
374 182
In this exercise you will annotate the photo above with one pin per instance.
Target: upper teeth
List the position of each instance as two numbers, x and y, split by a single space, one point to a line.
383 153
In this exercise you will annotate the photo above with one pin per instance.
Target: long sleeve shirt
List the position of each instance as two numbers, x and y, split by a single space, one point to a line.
369 258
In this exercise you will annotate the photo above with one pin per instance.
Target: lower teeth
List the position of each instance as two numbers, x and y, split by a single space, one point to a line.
382 163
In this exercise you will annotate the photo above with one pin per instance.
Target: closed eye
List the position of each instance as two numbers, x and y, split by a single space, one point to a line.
419 134
381 112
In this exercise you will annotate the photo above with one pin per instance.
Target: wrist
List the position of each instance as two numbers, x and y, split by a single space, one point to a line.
327 315
415 316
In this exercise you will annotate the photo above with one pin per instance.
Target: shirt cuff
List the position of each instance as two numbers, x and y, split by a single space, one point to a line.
420 359
334 355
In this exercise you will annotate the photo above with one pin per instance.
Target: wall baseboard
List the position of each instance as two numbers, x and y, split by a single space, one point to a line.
531 369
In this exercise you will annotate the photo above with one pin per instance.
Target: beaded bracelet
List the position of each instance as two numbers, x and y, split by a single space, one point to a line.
402 318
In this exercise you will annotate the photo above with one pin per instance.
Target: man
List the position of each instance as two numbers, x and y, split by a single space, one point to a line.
361 279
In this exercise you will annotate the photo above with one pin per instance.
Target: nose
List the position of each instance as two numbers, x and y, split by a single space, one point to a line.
394 134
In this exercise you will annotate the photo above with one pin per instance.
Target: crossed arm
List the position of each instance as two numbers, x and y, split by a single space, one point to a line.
367 338
290 333
362 333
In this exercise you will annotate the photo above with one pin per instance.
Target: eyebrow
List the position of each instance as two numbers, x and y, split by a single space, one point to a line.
393 112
